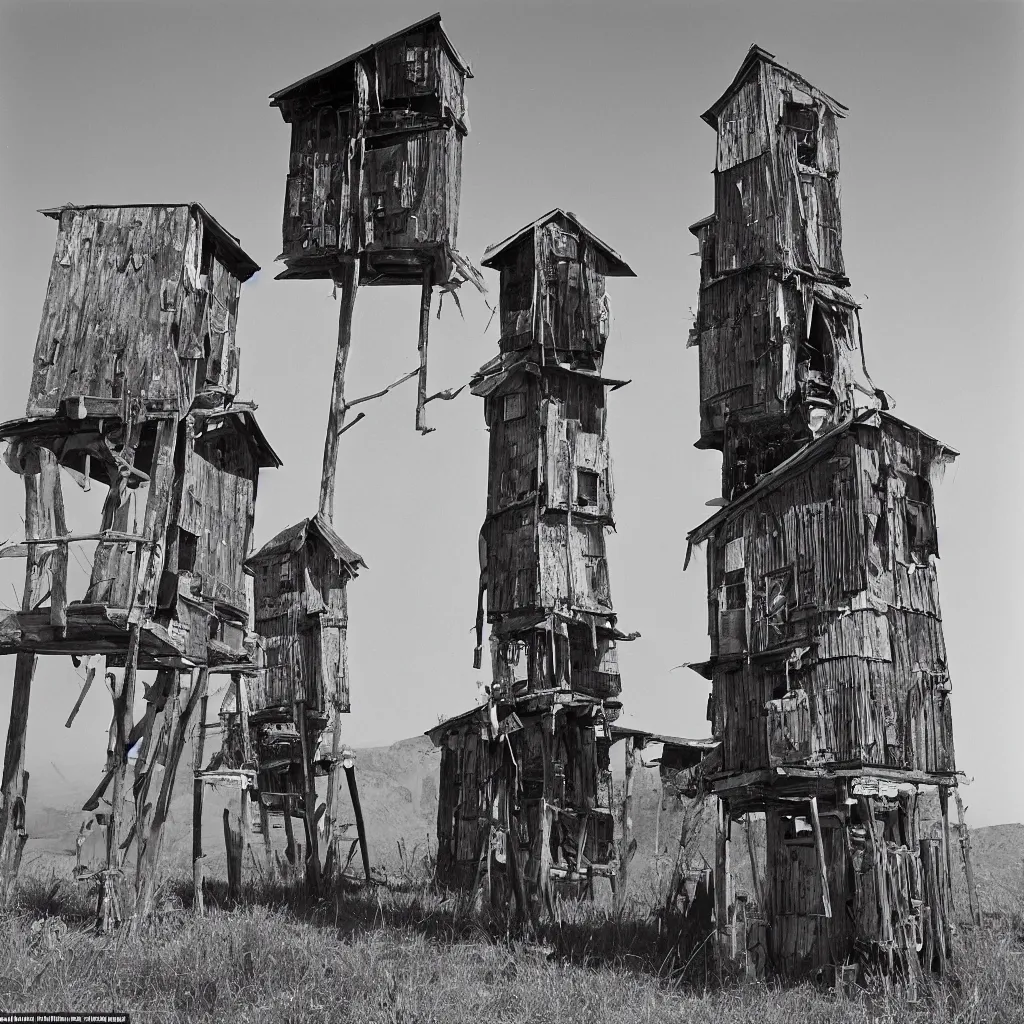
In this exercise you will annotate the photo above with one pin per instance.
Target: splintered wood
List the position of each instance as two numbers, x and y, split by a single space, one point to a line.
830 688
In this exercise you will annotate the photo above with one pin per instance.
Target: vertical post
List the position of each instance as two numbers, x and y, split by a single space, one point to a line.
347 280
628 845
946 852
44 516
309 788
421 391
178 726
754 869
233 851
965 849
819 846
357 807
331 856
124 705
265 833
197 809
721 872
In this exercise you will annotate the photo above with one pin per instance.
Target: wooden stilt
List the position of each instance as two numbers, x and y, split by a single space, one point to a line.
268 851
819 846
179 724
109 897
628 843
965 850
754 868
330 824
197 809
721 873
309 801
357 807
44 517
347 280
421 393
233 850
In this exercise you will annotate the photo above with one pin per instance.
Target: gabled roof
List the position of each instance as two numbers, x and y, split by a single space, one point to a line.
233 255
434 21
810 453
292 539
755 56
617 267
266 457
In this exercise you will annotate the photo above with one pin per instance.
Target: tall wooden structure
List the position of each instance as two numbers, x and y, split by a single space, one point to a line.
134 379
830 687
544 573
372 198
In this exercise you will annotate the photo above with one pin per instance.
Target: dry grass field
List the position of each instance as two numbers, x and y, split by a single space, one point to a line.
383 956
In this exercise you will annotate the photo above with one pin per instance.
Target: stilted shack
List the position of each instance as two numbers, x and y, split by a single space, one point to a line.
830 685
540 762
133 388
372 198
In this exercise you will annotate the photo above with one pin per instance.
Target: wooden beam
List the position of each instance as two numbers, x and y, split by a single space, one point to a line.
628 846
347 281
44 516
965 850
819 846
108 906
357 807
197 810
309 800
421 392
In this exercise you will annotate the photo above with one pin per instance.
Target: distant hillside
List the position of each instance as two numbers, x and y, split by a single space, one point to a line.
398 788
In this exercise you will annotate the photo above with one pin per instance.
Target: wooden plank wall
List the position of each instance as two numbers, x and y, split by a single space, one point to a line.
874 666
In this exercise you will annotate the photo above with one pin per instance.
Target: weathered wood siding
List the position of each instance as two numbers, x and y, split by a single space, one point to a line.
301 611
822 564
136 305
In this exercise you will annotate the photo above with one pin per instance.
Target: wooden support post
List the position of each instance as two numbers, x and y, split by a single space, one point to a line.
721 872
421 392
290 854
759 886
347 280
628 843
309 801
357 807
330 825
819 846
265 833
233 850
44 517
197 809
946 851
108 908
965 850
178 729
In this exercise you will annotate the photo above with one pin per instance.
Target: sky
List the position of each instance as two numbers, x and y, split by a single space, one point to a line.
595 108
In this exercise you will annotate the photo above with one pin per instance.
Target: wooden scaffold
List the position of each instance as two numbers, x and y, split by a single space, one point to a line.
133 387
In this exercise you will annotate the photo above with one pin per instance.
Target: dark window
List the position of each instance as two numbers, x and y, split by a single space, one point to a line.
186 551
802 120
734 597
286 578
921 537
586 488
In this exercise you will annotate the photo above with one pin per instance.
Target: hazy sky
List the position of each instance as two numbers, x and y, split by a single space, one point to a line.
593 107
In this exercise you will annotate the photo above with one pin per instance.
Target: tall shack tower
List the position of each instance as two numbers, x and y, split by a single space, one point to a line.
372 198
133 389
544 573
830 689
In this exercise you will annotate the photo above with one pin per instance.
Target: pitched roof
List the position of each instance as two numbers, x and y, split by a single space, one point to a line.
617 267
756 55
292 539
235 257
434 21
266 457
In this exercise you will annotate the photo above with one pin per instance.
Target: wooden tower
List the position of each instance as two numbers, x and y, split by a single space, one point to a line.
544 574
372 198
133 386
828 669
